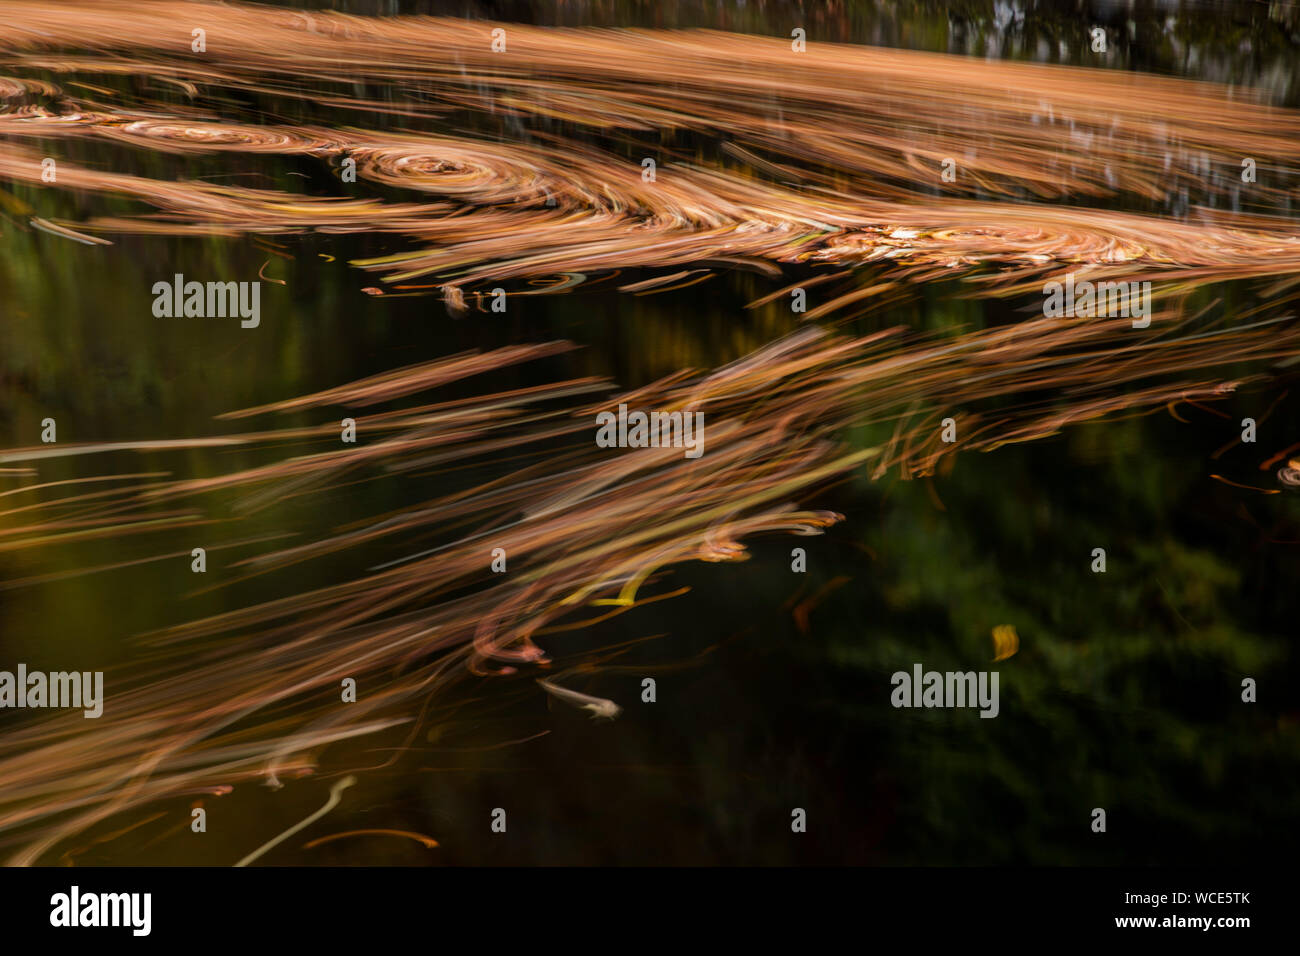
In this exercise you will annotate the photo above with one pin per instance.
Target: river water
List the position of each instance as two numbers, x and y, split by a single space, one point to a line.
772 687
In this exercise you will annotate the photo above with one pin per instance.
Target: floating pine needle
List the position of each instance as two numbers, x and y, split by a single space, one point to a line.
1237 484
427 842
1006 642
54 229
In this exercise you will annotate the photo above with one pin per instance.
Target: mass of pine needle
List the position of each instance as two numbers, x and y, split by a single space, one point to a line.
833 156
827 160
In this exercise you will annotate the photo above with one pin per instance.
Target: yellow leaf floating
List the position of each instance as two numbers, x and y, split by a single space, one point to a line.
1005 641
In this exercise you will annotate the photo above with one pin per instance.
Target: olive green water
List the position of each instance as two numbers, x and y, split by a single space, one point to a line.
1125 693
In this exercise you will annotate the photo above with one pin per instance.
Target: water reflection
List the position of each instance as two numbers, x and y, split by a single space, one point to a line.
773 686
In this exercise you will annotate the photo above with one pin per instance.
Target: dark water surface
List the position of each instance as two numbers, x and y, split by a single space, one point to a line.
773 687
